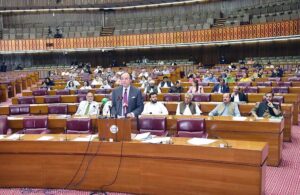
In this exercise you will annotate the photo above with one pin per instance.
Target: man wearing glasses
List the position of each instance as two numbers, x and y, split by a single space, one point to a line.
266 108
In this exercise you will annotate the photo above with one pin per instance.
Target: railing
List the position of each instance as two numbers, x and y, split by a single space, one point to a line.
274 29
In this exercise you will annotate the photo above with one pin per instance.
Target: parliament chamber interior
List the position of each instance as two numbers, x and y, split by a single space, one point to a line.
149 97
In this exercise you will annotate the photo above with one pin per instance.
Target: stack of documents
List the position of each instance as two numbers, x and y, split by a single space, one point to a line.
200 141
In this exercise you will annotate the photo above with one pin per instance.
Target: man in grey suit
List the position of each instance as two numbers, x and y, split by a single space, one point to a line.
127 100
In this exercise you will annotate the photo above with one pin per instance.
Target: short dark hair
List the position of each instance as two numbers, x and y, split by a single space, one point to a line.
152 93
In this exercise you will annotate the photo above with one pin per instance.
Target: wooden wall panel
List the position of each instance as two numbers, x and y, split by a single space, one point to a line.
273 29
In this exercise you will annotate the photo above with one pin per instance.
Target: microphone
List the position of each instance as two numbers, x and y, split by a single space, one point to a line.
150 112
110 114
224 143
66 135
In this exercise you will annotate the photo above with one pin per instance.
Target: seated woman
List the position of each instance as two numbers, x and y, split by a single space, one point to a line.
195 88
245 78
86 85
71 86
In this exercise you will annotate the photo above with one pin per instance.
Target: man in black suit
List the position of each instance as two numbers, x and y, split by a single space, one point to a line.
127 101
221 87
237 95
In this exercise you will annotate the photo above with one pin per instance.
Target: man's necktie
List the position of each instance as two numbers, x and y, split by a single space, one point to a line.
125 102
87 109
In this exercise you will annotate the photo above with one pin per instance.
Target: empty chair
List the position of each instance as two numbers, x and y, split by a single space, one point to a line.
58 109
274 79
81 97
35 125
204 97
79 126
171 97
284 84
4 126
203 84
278 99
244 84
250 90
102 91
154 125
26 100
39 92
23 109
48 99
191 128
63 92
264 84
280 90
294 79
83 91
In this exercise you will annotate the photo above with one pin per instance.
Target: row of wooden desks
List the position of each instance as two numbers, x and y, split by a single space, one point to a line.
139 168
205 107
266 130
252 98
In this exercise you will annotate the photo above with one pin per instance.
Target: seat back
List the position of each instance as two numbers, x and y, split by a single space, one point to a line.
48 99
35 125
81 97
294 79
203 84
284 84
19 109
79 125
102 91
244 84
3 125
57 109
280 90
250 90
191 128
155 125
278 99
169 97
203 97
274 79
82 91
26 100
63 92
264 84
39 92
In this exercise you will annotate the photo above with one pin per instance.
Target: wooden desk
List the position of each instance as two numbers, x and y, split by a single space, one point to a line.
245 109
177 168
227 128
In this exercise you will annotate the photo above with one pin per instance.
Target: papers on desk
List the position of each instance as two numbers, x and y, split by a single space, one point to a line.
158 140
142 136
200 141
259 118
85 139
14 137
239 118
275 119
2 136
45 138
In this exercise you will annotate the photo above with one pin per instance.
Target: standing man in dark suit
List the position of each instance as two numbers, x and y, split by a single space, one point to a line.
127 101
221 87
238 96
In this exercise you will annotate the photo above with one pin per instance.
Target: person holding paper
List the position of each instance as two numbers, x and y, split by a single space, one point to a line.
226 108
266 108
187 107
88 107
154 107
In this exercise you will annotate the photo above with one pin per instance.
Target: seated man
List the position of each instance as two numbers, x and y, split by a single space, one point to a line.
187 107
152 88
221 87
238 96
88 107
72 79
165 83
177 88
266 108
154 107
226 108
210 78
